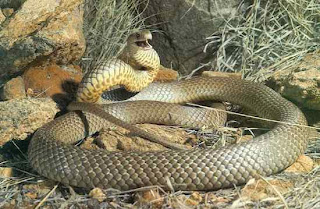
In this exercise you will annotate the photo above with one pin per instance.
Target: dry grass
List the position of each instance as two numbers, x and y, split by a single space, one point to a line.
306 193
106 26
268 36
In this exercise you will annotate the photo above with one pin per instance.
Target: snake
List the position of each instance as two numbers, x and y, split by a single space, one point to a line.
52 154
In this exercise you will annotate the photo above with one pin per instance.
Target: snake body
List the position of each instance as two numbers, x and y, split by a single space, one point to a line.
196 169
123 70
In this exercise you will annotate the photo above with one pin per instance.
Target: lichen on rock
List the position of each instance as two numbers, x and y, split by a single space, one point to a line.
21 117
300 83
46 29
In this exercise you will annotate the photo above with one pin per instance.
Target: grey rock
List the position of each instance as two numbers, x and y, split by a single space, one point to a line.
183 27
11 3
21 117
41 30
13 89
22 53
300 83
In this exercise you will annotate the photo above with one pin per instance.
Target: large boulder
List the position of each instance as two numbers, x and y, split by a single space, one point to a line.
300 83
21 117
47 29
13 89
182 27
11 3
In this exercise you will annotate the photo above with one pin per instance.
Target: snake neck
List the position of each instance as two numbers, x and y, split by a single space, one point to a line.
140 58
112 73
143 68
133 69
137 80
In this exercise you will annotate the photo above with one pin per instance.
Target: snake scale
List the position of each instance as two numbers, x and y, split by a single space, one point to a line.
51 155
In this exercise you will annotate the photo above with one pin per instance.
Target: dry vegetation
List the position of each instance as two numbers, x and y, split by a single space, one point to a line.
106 26
270 36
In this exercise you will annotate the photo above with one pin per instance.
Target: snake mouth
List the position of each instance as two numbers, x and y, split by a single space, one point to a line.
144 44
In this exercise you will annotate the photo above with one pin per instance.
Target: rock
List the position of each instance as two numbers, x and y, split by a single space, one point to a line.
11 3
184 26
300 83
43 30
14 89
51 80
304 164
21 117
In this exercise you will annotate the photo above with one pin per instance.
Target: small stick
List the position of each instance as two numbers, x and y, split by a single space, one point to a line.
46 197
97 110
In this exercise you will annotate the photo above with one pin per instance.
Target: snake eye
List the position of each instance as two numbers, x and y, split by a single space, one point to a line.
138 35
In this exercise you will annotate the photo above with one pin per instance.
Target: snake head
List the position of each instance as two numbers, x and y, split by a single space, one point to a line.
140 39
139 53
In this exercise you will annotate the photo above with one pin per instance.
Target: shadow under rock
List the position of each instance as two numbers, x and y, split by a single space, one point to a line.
14 153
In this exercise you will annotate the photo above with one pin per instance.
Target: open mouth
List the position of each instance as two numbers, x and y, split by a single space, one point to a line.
144 44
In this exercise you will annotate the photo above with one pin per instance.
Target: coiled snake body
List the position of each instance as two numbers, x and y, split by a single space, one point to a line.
195 169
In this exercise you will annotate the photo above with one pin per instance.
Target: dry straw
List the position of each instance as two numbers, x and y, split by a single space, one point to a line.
266 37
106 26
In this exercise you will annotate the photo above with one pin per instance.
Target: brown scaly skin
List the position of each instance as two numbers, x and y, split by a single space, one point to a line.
196 169
136 68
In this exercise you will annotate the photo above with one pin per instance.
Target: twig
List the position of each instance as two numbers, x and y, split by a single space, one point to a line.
46 197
